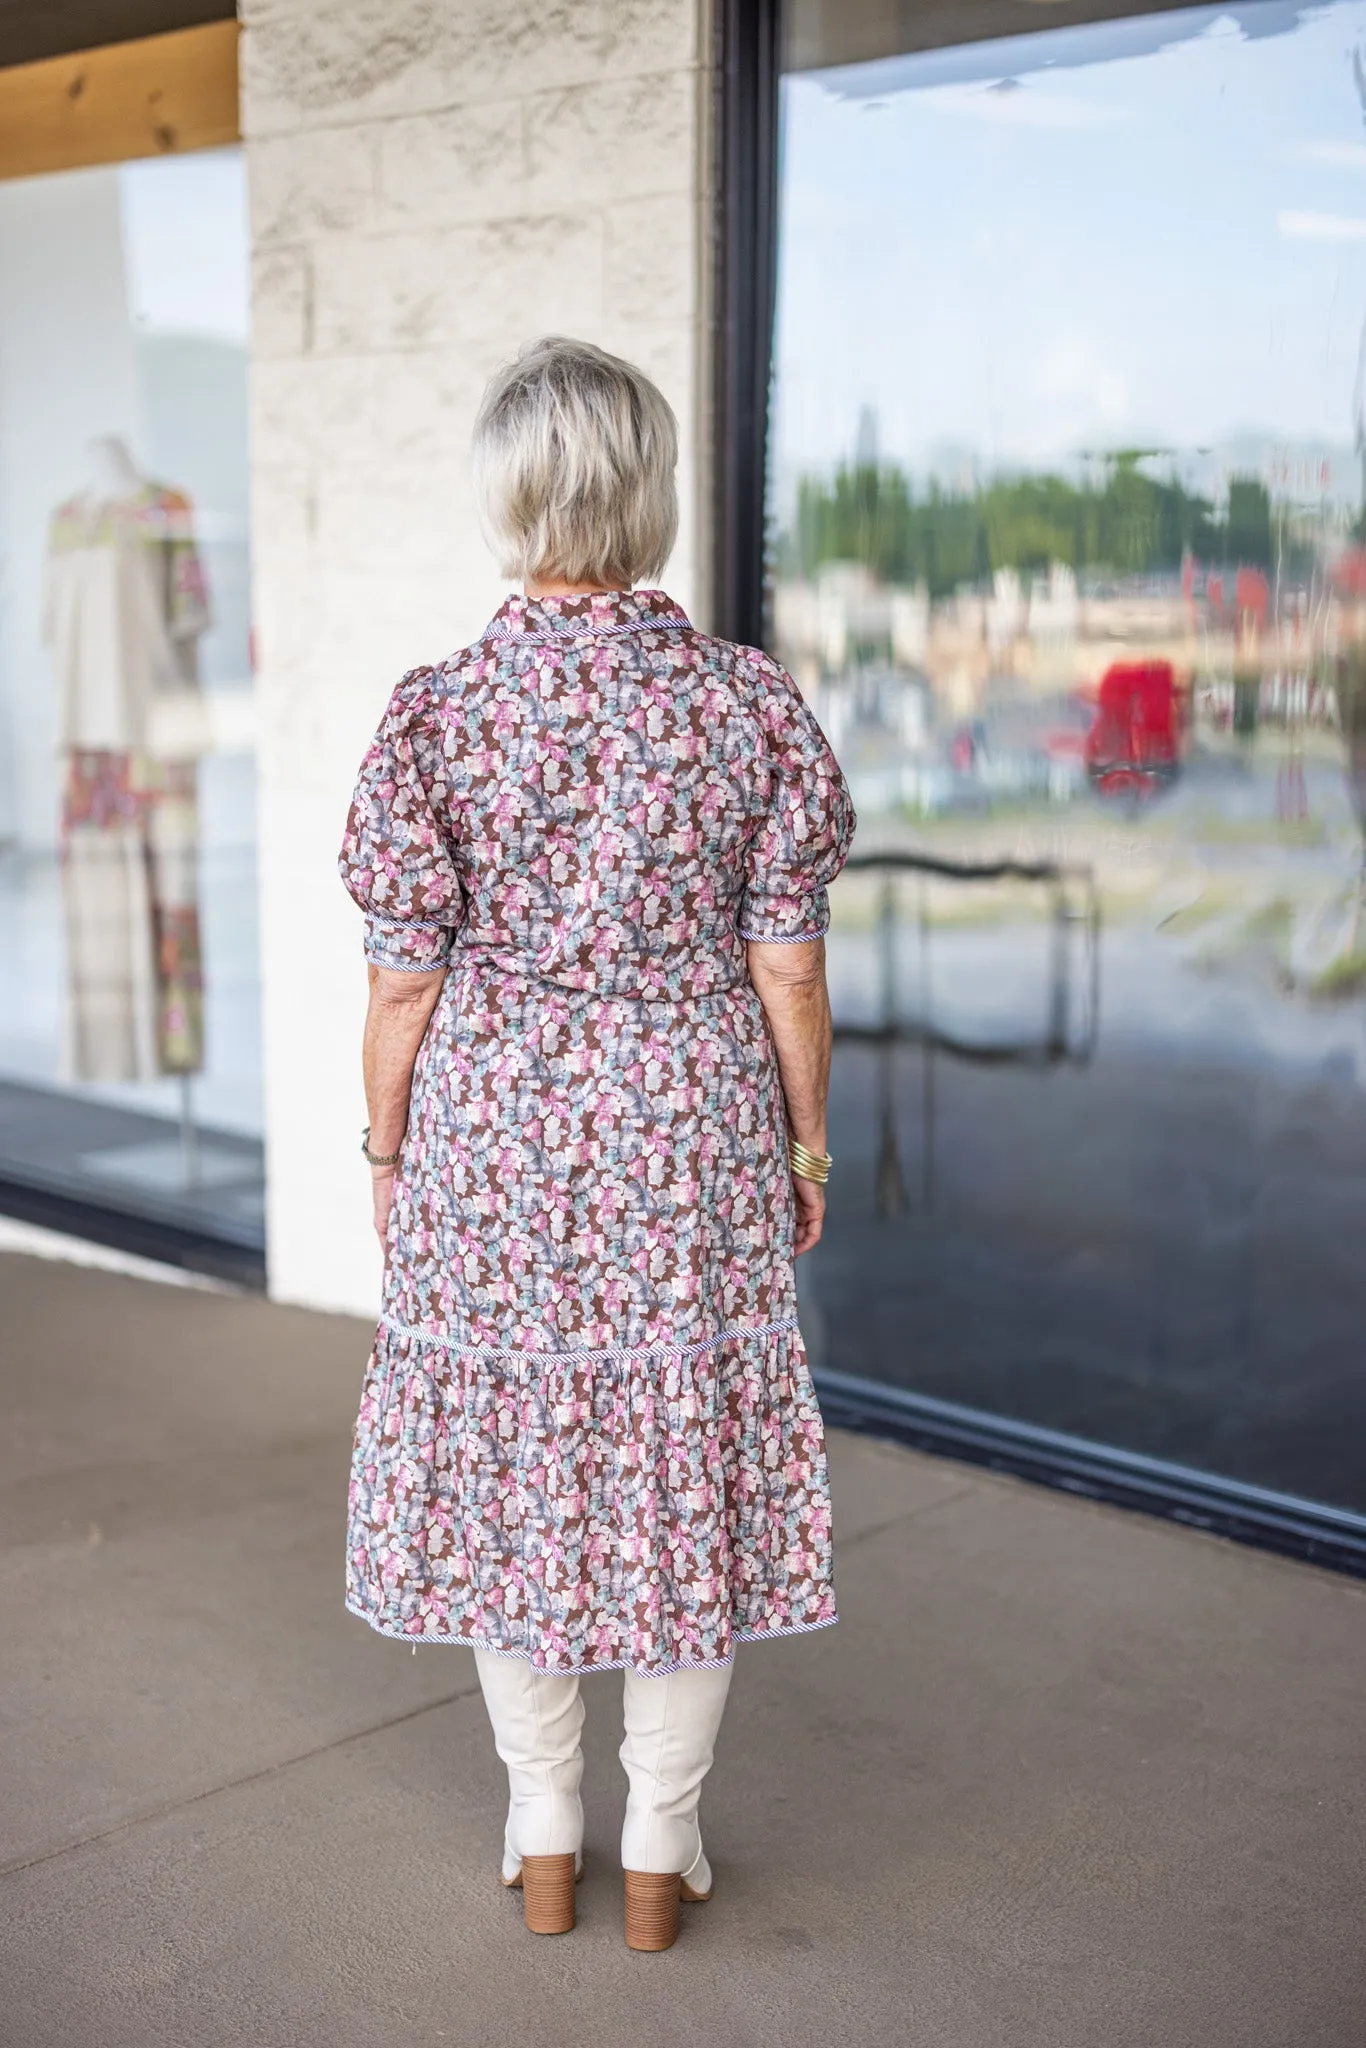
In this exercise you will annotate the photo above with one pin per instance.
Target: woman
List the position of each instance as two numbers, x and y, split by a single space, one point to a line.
592 851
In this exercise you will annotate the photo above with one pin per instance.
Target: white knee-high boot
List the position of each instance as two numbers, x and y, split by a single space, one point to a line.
671 1727
537 1721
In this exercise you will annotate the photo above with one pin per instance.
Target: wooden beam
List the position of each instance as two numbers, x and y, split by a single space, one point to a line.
156 97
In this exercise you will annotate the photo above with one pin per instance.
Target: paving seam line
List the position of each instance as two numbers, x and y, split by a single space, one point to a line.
843 1543
287 1763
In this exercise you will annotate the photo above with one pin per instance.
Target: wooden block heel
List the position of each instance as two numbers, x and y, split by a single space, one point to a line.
548 1893
651 1910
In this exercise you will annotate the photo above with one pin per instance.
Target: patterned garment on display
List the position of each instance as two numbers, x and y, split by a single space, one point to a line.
126 602
588 1433
135 978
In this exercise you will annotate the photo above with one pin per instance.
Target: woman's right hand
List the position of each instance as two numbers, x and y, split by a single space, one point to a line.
382 1190
810 1200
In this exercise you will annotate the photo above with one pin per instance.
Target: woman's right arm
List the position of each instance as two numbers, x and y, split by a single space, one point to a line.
790 982
396 1021
398 861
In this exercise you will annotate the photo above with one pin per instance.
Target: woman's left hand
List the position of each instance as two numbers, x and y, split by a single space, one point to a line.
809 1201
382 1189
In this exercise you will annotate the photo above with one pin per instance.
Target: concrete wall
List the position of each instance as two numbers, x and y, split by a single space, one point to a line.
433 182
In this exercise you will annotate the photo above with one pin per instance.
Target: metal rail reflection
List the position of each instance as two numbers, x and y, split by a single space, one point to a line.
1071 1031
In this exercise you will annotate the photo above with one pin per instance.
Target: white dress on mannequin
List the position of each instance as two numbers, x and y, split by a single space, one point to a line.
124 604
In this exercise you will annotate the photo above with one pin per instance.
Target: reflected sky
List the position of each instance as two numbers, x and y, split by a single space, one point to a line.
1011 266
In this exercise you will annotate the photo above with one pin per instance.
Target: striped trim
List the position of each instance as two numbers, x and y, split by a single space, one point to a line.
584 629
618 1353
404 924
787 939
448 1642
408 966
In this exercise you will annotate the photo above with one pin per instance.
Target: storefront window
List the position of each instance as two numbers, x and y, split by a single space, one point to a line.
1069 553
129 1038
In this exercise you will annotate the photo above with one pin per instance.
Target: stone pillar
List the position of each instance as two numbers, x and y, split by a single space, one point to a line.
433 182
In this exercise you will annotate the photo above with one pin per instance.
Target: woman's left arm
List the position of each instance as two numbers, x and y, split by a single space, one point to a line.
401 1006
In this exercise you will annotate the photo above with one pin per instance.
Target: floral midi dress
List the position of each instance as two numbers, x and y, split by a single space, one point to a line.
588 1434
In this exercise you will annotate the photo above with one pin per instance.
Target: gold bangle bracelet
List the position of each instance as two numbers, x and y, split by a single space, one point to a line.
809 1165
806 1173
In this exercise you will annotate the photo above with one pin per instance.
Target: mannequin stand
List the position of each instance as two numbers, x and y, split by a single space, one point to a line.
189 1136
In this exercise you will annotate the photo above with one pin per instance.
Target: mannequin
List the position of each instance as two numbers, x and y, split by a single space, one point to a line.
125 607
111 472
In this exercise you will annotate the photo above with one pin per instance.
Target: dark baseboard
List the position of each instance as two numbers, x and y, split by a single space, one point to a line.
141 1236
1294 1528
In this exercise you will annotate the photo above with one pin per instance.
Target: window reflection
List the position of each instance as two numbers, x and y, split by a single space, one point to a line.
129 1059
1070 556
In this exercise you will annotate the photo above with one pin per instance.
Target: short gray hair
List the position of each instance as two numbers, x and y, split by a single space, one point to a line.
574 459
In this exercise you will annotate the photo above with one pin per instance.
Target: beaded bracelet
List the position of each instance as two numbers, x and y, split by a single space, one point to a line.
376 1158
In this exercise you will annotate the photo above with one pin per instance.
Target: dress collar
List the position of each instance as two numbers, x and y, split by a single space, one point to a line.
585 616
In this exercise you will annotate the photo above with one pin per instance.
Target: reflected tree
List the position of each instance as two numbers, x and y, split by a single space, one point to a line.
1131 522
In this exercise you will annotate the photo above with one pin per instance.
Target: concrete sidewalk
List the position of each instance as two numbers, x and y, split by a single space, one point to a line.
1061 1778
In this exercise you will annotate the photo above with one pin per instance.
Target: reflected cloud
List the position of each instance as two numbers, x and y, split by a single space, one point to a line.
1322 227
1339 156
1075 369
1010 102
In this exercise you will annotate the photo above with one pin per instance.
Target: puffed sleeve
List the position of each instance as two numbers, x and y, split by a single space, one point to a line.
398 857
805 826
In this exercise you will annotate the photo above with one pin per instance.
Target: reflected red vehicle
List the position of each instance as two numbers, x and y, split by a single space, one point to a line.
1133 748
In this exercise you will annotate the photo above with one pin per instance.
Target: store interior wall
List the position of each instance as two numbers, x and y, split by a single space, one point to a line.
68 371
421 207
